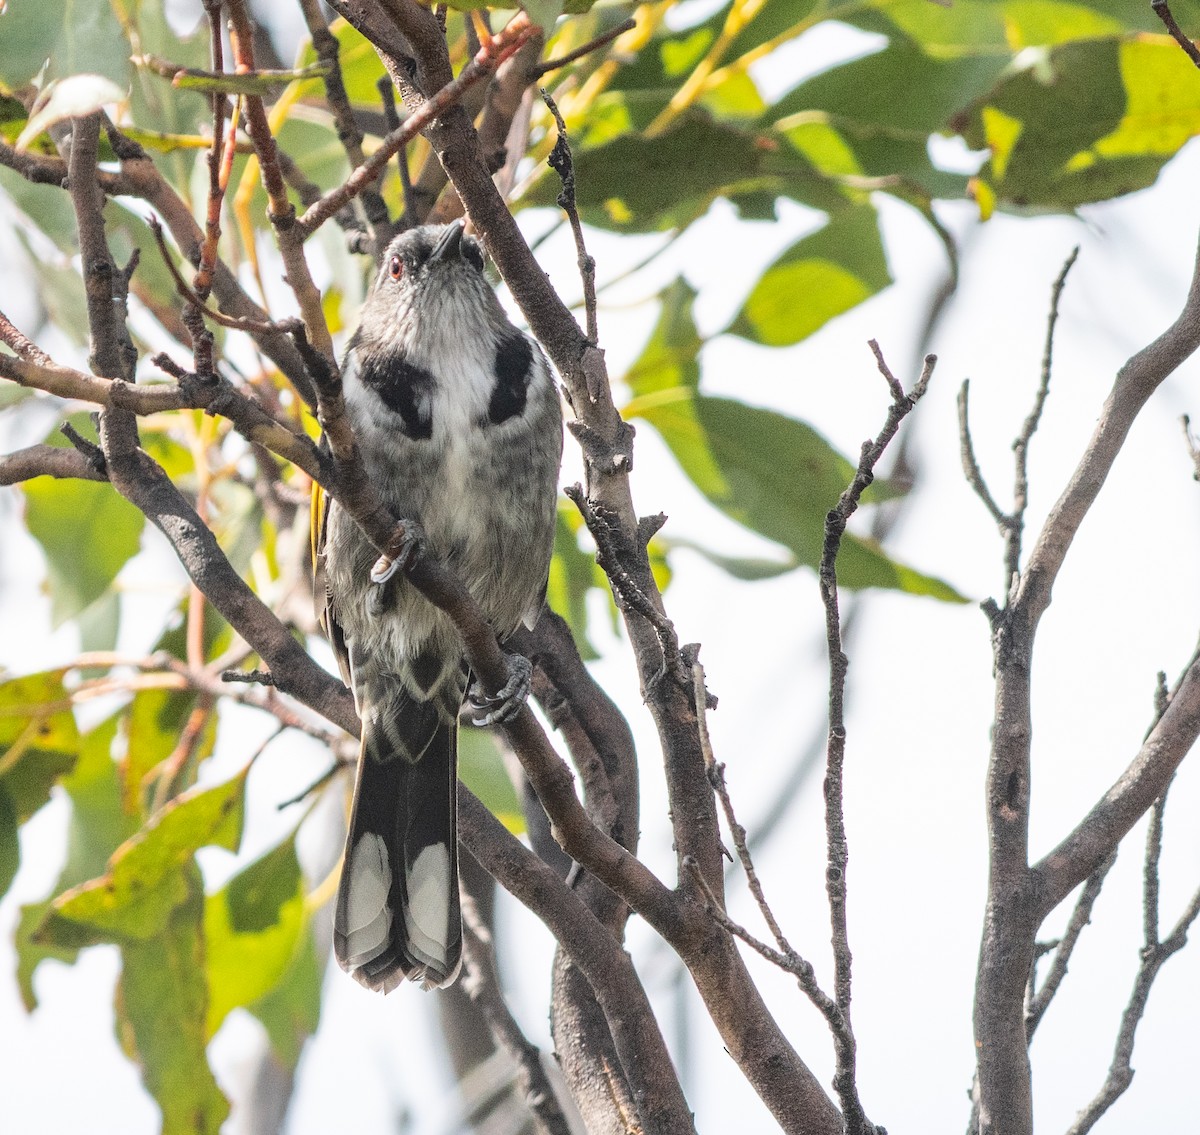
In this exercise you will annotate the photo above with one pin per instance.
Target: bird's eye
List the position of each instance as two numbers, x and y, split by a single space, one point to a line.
396 268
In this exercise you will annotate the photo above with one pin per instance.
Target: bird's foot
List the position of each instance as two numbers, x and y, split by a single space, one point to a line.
506 703
403 549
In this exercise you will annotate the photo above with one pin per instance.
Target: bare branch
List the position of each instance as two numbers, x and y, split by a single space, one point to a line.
607 967
112 354
1154 955
46 461
326 46
280 210
838 852
1016 520
1040 1000
141 480
1020 898
485 63
1193 447
970 464
482 984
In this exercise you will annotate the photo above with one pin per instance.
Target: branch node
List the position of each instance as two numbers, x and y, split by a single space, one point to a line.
249 677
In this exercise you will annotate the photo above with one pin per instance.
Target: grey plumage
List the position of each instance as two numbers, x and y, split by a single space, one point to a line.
459 423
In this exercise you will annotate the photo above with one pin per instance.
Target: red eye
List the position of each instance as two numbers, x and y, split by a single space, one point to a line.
396 268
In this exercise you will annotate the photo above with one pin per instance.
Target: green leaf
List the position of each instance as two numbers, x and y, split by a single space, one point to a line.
98 826
682 171
819 277
292 1010
873 116
543 13
154 725
162 1009
673 51
39 744
573 573
100 623
777 476
252 929
74 37
748 568
88 533
147 877
481 769
156 105
1086 122
359 61
978 26
10 841
670 358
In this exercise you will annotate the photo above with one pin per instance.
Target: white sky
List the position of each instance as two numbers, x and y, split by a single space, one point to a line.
1127 605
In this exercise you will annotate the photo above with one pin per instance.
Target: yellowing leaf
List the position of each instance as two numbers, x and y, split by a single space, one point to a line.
161 1010
147 875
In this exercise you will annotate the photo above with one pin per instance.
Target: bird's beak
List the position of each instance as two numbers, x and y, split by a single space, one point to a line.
449 245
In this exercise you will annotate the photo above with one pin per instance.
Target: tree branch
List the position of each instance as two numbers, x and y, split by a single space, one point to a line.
482 984
1019 898
608 969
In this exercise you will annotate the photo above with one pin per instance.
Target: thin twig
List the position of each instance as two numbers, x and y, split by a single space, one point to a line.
835 827
194 299
716 776
560 161
1039 1000
625 589
970 464
1193 447
326 46
489 57
1016 521
586 49
1154 954
280 210
1164 13
786 959
387 94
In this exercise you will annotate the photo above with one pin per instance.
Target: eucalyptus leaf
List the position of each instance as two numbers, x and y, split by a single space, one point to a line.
817 278
291 1011
777 476
162 1006
39 744
98 826
87 531
147 878
252 930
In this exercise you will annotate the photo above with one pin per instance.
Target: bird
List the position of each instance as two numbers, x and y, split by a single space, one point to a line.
458 420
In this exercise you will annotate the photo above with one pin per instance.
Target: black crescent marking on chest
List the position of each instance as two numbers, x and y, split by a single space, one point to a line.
514 359
404 387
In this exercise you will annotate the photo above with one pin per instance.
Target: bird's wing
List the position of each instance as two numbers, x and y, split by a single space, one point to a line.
318 523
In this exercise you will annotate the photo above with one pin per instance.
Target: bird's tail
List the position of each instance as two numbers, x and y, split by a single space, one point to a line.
397 911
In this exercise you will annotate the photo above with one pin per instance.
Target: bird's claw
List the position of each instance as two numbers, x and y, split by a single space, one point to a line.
506 703
403 550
